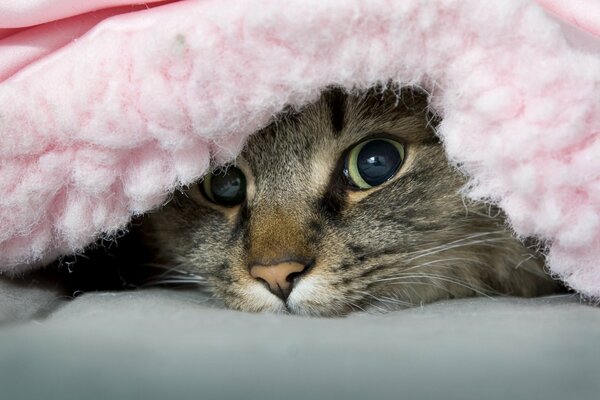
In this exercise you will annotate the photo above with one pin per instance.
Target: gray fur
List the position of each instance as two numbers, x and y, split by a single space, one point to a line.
410 241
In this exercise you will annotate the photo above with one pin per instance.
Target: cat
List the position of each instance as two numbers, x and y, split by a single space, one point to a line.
348 204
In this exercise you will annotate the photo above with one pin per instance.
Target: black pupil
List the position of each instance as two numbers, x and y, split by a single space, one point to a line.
378 161
229 188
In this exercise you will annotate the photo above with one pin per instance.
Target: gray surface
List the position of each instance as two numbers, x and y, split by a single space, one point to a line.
34 297
161 344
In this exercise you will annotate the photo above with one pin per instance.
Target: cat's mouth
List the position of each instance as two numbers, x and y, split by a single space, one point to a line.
311 296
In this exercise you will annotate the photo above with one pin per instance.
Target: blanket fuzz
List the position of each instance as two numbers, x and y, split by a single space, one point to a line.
107 107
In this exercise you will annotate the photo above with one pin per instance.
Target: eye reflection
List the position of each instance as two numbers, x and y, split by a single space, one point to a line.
226 187
373 162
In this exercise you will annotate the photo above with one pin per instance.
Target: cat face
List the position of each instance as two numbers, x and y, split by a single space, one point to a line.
348 204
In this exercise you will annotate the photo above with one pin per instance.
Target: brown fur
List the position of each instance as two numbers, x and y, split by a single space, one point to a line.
410 241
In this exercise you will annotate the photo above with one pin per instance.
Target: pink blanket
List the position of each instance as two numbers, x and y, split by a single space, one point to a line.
107 106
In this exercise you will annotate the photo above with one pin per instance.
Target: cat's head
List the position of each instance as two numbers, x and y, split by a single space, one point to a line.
347 204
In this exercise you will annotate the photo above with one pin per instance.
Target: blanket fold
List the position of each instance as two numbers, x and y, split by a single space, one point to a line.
107 106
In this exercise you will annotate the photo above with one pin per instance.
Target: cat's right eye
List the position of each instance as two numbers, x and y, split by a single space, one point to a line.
373 162
226 187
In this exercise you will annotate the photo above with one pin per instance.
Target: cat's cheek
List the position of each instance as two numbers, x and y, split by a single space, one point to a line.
314 296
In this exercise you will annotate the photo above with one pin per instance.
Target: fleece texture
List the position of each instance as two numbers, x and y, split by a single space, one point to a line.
159 344
106 107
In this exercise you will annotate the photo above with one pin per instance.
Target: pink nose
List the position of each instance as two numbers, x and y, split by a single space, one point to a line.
279 277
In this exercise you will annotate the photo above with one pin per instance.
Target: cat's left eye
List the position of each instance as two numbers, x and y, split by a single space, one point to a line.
373 162
226 187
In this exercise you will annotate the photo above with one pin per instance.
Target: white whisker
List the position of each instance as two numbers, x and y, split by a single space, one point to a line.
442 278
485 242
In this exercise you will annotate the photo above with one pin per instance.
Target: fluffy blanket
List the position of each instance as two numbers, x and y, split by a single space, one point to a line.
107 107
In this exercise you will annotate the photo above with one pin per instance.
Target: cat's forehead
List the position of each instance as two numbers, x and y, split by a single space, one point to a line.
322 131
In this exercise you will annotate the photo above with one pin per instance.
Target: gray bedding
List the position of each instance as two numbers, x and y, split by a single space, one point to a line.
161 344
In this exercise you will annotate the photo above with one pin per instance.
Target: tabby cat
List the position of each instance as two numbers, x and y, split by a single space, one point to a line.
347 204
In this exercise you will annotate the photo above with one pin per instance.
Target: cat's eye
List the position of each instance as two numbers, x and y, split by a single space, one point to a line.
373 162
226 187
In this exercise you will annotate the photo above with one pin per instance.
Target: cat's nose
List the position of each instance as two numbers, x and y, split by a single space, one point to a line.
280 277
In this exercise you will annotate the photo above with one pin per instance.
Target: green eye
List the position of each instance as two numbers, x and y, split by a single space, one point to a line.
226 187
373 162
